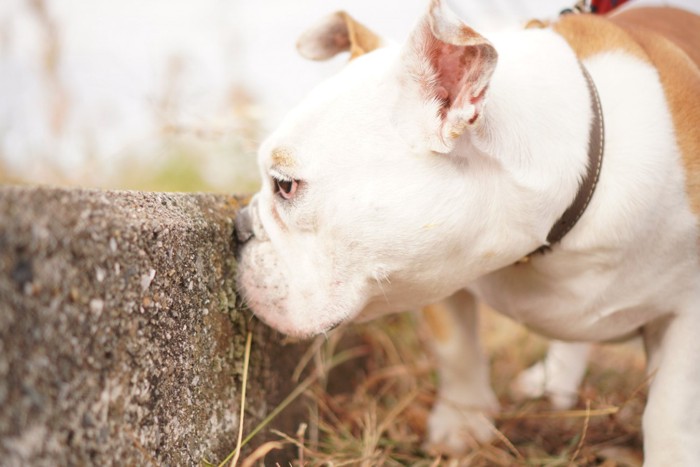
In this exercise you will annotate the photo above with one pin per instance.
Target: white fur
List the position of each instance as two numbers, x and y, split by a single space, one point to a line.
382 224
465 405
558 376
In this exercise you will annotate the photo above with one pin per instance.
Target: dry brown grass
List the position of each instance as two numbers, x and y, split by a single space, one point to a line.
373 410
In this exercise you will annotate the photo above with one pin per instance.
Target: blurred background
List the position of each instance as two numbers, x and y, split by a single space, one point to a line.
174 94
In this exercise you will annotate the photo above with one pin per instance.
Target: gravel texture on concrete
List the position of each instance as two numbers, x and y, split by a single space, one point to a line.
121 340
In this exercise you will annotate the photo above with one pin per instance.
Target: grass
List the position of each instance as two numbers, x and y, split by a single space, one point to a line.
372 410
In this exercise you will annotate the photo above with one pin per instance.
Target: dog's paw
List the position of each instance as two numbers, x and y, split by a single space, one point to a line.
530 383
535 382
453 430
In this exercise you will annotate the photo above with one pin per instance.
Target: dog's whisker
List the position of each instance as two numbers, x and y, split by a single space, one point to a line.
379 277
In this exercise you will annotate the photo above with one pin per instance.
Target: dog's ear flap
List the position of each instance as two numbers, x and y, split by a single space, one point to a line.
452 65
338 32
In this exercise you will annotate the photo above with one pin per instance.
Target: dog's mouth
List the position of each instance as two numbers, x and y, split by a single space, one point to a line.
279 312
298 332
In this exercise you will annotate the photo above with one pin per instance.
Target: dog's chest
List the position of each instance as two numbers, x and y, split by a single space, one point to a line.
588 299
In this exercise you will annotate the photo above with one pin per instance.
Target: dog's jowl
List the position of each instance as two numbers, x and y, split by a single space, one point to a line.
552 172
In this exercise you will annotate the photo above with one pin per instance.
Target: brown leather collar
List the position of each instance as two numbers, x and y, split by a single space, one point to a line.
585 192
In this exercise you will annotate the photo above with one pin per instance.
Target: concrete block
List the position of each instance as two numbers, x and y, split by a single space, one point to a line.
121 340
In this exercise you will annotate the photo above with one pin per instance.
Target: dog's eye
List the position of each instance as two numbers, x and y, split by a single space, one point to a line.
285 188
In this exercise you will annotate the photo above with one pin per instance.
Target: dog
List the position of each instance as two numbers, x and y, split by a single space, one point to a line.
550 172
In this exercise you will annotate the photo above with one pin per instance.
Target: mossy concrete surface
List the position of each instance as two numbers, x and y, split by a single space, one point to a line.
121 341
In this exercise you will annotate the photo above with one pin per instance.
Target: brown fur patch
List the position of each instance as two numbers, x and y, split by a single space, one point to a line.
439 321
589 35
679 26
362 40
537 24
283 157
339 32
671 39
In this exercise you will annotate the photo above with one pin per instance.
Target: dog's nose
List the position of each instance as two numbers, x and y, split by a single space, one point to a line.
242 229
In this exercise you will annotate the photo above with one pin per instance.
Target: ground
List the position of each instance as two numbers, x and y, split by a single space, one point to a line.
372 410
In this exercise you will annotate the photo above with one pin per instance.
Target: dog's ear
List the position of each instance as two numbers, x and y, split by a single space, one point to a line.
338 32
452 64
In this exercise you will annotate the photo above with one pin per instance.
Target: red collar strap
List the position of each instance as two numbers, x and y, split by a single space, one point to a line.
600 7
597 7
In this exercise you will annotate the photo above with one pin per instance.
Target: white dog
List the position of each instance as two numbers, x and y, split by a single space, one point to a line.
436 167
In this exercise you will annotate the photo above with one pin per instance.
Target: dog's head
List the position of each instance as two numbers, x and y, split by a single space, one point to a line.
378 194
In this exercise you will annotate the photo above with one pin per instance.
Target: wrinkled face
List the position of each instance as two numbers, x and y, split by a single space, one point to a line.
354 214
364 209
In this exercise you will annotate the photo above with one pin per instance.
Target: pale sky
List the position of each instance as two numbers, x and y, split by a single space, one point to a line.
126 68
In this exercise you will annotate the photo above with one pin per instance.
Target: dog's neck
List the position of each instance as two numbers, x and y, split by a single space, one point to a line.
596 148
538 123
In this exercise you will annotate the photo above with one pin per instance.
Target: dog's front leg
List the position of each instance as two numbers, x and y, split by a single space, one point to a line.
465 403
671 420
